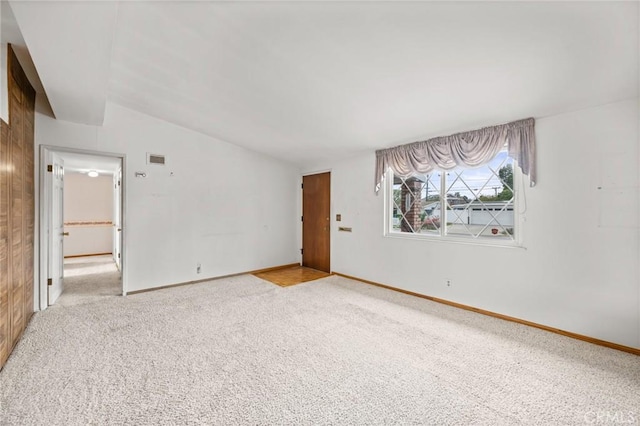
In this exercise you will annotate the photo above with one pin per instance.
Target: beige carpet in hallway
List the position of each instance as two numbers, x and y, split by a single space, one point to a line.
89 279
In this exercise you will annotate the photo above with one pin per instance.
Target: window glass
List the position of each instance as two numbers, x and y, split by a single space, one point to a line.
470 203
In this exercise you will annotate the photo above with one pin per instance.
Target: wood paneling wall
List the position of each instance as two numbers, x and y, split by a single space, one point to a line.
4 243
17 211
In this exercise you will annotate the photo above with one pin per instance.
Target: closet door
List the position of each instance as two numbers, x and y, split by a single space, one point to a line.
17 211
5 344
16 206
29 201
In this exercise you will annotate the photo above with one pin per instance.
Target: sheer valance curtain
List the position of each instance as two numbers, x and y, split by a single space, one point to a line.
469 149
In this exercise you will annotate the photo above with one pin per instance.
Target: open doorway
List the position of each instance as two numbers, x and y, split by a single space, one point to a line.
81 239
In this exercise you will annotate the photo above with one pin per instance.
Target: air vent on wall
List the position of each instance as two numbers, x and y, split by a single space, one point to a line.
155 159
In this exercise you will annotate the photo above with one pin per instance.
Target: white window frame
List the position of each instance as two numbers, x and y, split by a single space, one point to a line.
516 242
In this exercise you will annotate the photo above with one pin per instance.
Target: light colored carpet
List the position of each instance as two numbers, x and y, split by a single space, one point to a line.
89 279
243 351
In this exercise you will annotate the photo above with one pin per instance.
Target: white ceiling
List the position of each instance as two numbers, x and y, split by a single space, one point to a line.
305 81
83 163
11 34
70 43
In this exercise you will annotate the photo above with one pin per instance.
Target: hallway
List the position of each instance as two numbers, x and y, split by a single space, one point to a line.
89 279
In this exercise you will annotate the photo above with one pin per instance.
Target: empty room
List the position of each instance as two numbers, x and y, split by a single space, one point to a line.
319 212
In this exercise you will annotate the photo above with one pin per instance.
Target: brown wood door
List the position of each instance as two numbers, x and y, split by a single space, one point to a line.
28 224
316 221
16 209
5 330
17 214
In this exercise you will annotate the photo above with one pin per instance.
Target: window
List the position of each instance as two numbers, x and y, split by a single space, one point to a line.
463 203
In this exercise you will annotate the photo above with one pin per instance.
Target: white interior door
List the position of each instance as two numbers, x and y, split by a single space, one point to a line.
117 216
56 226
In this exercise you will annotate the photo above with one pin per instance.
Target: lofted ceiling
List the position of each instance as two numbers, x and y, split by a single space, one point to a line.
307 81
10 34
70 43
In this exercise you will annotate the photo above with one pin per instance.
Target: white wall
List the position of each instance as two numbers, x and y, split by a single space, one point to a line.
230 209
88 199
579 275
4 83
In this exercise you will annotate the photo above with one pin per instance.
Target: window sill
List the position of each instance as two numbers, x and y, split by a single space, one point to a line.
453 240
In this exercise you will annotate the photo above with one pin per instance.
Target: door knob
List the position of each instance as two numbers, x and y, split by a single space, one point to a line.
65 234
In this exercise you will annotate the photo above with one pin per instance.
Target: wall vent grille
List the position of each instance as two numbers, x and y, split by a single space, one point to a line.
155 159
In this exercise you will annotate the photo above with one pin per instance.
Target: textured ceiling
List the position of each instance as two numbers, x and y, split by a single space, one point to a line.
304 81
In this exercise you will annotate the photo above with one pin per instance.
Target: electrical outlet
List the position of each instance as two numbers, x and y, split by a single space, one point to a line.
448 283
198 268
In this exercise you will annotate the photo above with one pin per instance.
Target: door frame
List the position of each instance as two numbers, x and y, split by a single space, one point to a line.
44 199
301 204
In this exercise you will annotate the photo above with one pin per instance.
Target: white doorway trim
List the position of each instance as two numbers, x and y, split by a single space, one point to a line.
45 210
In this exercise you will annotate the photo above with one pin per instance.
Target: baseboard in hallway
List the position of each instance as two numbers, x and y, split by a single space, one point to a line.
73 256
